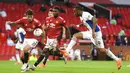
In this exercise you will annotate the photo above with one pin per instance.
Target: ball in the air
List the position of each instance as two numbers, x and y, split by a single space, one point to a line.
37 32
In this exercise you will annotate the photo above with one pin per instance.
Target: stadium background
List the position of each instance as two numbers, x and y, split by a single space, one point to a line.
15 9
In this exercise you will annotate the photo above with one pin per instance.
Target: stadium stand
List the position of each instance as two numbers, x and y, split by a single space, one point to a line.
16 11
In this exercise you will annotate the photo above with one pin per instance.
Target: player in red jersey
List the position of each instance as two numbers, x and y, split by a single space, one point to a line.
53 27
29 23
50 14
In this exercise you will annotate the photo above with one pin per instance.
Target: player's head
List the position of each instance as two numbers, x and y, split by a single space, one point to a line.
29 14
50 13
78 10
55 11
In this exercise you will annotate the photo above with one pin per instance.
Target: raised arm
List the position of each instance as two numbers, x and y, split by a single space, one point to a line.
94 20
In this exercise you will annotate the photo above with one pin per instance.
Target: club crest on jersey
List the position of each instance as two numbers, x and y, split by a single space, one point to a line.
57 22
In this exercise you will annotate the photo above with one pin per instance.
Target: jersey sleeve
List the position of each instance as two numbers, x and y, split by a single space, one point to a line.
62 21
47 20
20 21
37 23
87 16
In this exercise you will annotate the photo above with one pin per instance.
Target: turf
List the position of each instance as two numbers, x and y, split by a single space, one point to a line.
70 67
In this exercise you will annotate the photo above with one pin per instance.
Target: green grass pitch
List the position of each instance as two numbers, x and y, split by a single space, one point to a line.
70 67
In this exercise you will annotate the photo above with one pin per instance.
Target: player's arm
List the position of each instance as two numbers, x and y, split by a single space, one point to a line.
37 25
11 23
94 20
43 36
44 26
63 29
64 32
18 22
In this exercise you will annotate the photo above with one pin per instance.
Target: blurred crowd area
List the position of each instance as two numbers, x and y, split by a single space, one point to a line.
115 31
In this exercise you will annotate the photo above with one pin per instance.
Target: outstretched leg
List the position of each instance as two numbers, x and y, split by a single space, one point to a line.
44 54
72 43
111 55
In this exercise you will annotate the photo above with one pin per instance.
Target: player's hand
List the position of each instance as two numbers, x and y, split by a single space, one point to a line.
44 27
8 22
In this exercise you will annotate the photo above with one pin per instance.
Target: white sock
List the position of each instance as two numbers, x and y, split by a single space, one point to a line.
18 57
34 66
24 66
71 44
111 55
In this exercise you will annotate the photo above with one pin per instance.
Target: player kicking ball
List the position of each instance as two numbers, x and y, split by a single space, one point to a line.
94 34
28 44
54 26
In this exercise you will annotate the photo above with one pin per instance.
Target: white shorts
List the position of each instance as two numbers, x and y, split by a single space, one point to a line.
51 43
31 42
98 41
20 46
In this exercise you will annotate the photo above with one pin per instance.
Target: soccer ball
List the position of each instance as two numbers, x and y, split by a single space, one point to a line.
37 32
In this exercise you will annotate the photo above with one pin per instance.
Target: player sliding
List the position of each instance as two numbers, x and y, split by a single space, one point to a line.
94 34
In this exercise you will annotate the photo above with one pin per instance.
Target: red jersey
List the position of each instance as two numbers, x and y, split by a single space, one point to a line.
29 25
47 20
54 26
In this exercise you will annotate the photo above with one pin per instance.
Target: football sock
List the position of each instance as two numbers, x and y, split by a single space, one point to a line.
39 60
26 57
111 55
71 44
22 60
45 60
18 57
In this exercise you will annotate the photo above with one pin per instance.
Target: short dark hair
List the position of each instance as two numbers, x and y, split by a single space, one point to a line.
29 12
78 7
50 9
57 8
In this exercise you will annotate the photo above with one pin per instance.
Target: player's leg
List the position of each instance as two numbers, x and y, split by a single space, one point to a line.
19 40
74 40
79 35
58 53
45 60
100 46
28 45
111 55
72 43
22 56
25 58
43 54
19 47
18 56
